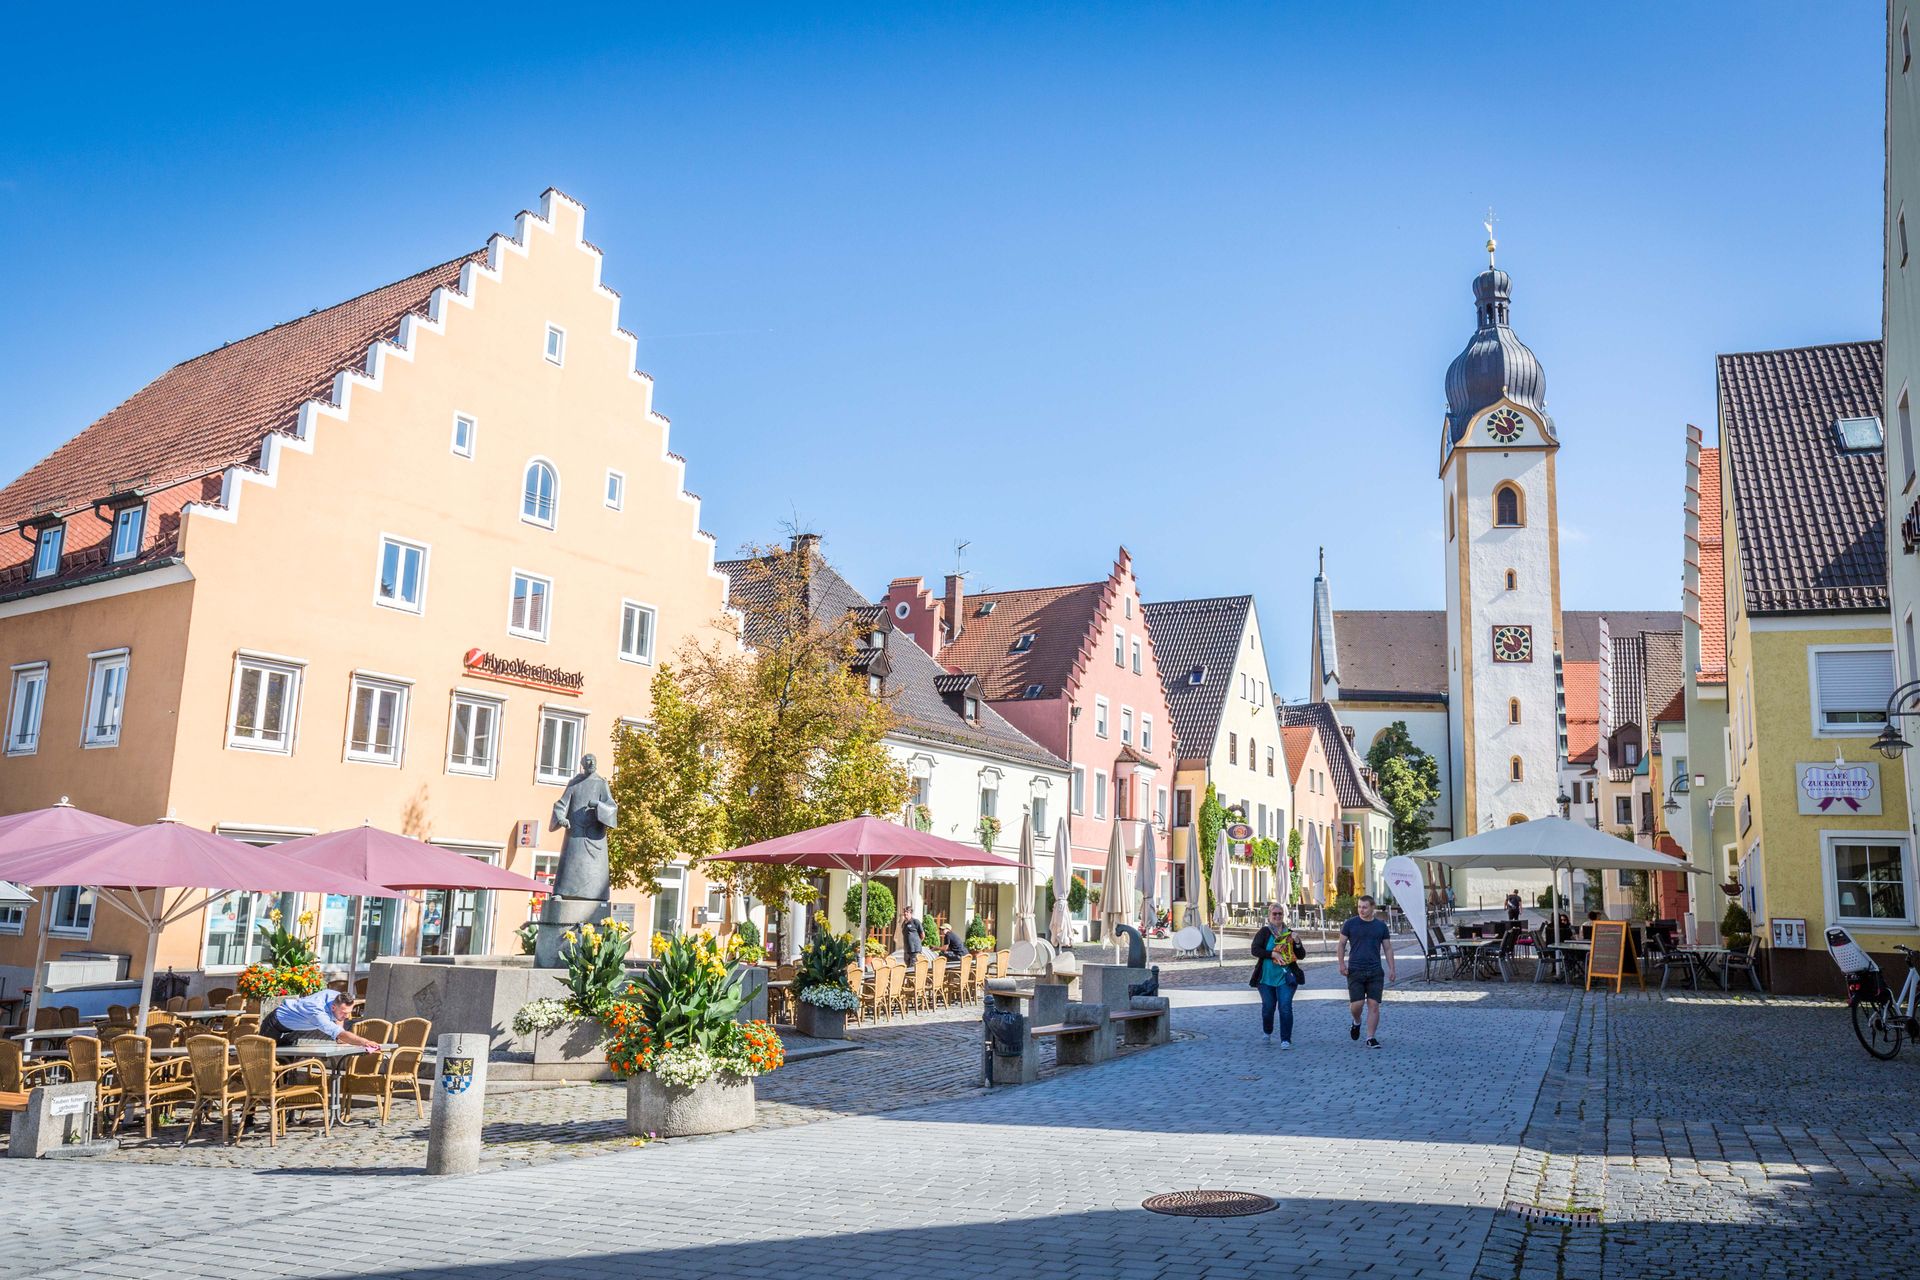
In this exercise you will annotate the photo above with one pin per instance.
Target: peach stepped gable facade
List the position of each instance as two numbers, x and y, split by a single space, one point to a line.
1074 669
401 561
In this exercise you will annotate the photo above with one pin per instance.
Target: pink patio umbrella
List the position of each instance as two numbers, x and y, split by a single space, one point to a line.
398 862
865 847
123 864
35 829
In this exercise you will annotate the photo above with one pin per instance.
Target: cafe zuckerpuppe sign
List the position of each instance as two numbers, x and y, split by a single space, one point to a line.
530 675
1840 788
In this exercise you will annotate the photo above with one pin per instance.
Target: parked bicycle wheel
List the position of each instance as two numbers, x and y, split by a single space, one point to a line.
1879 1028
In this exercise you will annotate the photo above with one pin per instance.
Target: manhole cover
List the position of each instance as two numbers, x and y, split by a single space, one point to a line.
1208 1204
1558 1217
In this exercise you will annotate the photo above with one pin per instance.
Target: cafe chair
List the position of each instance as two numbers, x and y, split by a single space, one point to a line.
217 997
411 1035
86 1062
145 1083
937 983
46 1018
1740 960
69 1016
215 1084
17 1075
371 1074
283 1088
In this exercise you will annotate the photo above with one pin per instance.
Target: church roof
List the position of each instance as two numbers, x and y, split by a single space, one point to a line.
1204 635
1580 628
1495 364
1810 513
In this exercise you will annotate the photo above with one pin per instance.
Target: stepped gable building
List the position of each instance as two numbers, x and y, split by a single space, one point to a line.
1479 683
403 560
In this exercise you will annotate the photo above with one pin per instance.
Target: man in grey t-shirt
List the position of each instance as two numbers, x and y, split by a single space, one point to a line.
1364 940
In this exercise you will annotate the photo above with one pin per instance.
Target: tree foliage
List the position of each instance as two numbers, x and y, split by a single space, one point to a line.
752 742
1409 782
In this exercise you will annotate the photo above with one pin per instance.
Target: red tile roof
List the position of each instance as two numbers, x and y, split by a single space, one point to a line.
207 414
1713 574
1583 710
1296 740
1061 620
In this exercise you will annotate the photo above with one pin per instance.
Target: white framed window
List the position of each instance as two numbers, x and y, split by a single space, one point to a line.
1099 717
636 631
106 699
1119 647
13 917
265 704
616 489
1079 797
556 344
46 551
990 798
26 705
531 608
129 525
1146 734
1126 724
233 938
1851 684
1037 814
539 493
1160 802
72 912
376 719
1869 877
400 579
1136 656
1099 794
465 430
473 735
561 733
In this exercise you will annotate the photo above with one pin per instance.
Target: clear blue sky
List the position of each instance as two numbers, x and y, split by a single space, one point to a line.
1045 280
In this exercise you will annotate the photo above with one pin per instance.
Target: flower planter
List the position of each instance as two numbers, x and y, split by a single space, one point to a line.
717 1105
821 1024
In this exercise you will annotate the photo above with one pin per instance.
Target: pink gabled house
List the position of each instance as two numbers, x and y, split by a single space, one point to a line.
1074 669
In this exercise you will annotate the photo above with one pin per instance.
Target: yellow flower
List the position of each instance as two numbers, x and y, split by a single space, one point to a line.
567 936
306 919
274 915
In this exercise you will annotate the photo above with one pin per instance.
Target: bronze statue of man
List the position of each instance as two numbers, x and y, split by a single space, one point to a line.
581 889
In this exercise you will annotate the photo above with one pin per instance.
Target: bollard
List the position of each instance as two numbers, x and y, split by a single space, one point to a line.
459 1099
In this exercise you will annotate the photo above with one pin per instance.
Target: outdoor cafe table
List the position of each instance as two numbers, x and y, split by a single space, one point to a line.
1712 959
1467 961
53 1033
335 1056
1576 954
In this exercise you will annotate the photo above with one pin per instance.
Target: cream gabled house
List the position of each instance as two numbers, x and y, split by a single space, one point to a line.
403 560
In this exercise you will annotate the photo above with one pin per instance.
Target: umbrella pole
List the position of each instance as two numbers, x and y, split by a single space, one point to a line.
40 955
866 871
154 925
353 941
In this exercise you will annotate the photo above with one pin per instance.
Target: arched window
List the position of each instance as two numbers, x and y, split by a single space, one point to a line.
1516 771
1513 580
1513 713
542 488
1509 511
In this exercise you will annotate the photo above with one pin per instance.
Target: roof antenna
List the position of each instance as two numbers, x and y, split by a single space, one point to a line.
960 558
1492 244
1323 562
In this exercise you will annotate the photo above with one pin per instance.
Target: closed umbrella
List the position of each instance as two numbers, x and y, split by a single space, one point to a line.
1196 879
1316 867
1116 895
1060 925
1024 927
1147 869
1222 881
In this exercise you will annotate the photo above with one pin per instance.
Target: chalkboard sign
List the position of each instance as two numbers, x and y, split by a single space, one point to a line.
1611 947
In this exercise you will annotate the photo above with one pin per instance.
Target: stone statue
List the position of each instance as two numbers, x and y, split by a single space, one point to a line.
580 890
1136 945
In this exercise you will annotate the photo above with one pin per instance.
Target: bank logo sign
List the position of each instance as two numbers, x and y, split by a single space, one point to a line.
1843 789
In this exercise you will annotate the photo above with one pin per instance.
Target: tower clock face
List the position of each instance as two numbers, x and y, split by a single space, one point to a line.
1505 424
1513 644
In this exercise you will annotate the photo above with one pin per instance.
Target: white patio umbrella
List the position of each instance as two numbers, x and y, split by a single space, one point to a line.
1060 925
1316 867
1196 878
1222 881
1116 894
1024 927
1147 868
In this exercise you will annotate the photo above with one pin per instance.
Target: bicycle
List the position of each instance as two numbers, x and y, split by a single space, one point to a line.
1881 1019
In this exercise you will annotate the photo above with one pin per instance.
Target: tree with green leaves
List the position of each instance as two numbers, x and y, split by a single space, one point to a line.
1409 782
1213 820
751 742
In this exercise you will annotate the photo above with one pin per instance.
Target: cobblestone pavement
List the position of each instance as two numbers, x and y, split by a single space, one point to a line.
1715 1135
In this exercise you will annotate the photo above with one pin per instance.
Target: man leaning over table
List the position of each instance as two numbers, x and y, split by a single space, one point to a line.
322 1013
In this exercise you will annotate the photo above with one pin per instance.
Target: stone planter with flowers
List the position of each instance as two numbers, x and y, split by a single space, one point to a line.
824 998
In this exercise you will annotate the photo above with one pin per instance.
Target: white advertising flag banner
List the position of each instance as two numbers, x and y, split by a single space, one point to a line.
1403 880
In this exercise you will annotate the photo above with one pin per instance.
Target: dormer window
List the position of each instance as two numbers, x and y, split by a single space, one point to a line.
46 554
873 685
129 524
1197 677
986 607
1033 691
876 639
1024 643
973 710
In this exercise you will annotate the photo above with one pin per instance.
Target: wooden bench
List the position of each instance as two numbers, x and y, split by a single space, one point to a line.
13 1102
1154 1028
1064 1029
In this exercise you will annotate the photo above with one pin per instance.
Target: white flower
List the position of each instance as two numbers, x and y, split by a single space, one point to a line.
824 997
540 1015
685 1067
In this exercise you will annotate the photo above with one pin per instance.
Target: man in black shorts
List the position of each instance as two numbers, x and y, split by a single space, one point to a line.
1364 939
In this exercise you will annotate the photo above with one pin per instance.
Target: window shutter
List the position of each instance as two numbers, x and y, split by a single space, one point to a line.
1854 679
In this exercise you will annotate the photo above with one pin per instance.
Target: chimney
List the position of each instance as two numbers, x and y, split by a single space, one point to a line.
804 545
956 601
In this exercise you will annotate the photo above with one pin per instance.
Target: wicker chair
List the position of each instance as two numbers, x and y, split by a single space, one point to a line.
243 1024
165 1035
196 1004
369 1075
915 988
215 1084
268 1084
46 1018
411 1035
85 1062
145 1083
217 998
121 1013
233 1003
937 983
176 1003
893 998
1002 961
17 1075
69 1016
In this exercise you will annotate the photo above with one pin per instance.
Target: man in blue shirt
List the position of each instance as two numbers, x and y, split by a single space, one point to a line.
322 1013
1363 940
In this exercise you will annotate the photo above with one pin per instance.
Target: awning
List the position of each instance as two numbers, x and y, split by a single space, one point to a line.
973 875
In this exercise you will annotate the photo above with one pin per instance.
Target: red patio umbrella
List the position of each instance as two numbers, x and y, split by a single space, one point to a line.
864 847
399 862
36 829
125 863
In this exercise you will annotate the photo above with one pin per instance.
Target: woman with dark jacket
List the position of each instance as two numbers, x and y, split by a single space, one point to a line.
1278 950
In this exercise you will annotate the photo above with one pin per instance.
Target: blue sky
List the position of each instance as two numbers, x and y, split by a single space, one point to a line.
1045 280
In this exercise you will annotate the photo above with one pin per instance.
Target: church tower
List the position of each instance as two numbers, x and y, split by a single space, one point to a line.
1501 531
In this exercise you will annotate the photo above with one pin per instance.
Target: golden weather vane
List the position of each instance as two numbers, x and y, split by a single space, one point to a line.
1491 242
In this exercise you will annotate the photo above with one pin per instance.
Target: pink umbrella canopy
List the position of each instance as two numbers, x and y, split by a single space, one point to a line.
866 846
172 855
37 828
401 862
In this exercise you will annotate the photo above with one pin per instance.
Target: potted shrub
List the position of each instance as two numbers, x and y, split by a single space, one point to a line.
571 1029
978 939
822 997
688 1064
1736 928
290 969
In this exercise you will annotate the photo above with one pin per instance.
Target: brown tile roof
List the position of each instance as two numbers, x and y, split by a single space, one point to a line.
1666 671
1190 634
1388 655
1580 628
1629 681
1062 622
207 414
1811 516
1713 574
1582 681
1675 708
1343 762
1296 740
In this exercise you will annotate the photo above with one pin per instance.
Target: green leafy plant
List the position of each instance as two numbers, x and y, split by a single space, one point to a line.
596 957
922 817
687 997
1294 843
1409 782
1077 895
1642 893
988 831
1344 905
978 939
881 908
1343 882
529 935
824 961
1736 927
285 948
747 932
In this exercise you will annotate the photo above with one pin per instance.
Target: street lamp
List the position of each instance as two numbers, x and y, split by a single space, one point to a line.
1565 802
1899 703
